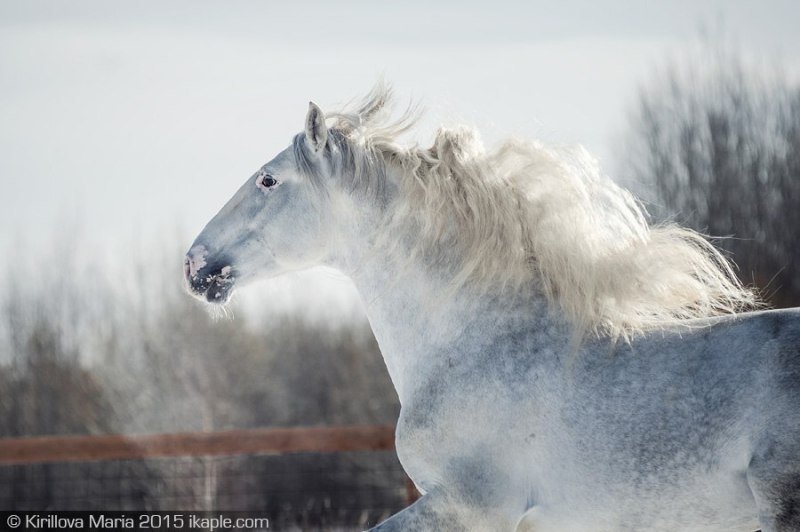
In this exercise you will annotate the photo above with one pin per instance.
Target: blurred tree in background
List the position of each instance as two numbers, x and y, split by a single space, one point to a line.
83 351
716 141
80 353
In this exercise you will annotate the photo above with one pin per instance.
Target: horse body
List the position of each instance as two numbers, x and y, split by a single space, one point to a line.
515 414
502 417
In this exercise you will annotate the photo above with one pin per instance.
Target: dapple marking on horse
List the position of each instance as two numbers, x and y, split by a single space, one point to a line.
561 364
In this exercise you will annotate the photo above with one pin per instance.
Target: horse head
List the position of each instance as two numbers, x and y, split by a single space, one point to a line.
274 223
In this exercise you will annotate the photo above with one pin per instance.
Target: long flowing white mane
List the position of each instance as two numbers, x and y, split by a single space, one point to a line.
536 216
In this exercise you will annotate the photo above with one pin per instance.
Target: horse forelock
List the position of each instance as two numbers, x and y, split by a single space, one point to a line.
526 215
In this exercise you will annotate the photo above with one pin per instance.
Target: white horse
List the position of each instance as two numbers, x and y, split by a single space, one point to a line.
561 364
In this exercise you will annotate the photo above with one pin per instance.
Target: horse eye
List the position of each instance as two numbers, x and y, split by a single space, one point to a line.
268 181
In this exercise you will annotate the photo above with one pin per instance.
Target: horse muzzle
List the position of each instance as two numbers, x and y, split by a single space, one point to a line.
209 279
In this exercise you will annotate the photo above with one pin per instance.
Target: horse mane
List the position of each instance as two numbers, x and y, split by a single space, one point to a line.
526 215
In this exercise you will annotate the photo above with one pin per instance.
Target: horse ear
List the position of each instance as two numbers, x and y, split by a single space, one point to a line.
316 130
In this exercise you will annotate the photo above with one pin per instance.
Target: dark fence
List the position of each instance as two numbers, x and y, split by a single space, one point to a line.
322 478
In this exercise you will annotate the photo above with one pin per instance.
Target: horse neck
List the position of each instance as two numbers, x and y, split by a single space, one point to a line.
419 320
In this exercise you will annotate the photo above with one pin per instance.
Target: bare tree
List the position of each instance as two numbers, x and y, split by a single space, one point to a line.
137 355
717 141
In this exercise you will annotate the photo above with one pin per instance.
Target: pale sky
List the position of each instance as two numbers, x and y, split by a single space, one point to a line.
132 120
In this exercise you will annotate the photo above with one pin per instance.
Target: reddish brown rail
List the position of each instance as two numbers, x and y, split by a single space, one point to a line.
230 442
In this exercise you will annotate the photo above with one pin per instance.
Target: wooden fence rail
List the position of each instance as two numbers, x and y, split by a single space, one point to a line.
231 442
